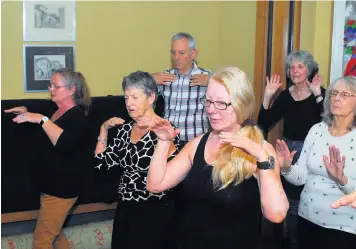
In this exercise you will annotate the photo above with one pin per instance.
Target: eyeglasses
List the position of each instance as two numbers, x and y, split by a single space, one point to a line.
343 95
54 87
220 105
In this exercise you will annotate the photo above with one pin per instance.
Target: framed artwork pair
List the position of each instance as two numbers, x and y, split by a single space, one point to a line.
47 21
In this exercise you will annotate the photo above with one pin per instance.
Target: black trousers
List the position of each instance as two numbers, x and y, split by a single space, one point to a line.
312 236
143 224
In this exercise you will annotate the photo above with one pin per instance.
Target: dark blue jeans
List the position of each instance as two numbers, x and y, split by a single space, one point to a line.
291 221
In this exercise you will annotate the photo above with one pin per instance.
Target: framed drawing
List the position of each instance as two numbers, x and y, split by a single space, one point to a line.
41 61
343 51
49 20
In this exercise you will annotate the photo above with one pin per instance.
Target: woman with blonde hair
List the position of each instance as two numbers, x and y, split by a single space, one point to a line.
228 174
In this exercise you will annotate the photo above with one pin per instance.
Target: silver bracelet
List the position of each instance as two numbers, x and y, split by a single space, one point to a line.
102 140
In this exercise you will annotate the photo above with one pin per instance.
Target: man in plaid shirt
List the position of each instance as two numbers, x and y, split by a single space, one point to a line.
182 87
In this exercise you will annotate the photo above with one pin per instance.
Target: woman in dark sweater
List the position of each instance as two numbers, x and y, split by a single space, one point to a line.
62 168
300 106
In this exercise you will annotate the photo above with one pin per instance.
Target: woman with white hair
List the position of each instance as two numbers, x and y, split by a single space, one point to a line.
327 167
228 175
300 106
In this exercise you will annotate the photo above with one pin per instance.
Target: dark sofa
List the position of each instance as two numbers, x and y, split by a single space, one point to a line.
19 155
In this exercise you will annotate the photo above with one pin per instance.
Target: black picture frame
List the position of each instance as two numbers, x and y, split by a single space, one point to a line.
41 61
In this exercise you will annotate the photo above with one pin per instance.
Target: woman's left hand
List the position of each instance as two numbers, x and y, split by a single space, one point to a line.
254 149
28 117
163 129
335 165
315 85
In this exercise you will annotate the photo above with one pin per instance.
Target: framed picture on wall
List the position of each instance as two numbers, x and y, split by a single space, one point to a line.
49 20
41 61
343 51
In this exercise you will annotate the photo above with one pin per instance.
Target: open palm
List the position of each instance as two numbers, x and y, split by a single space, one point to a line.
285 157
273 85
164 130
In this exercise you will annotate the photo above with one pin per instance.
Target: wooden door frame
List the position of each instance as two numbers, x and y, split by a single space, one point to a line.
276 36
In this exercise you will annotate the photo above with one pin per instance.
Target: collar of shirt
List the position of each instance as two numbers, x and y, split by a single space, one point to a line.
192 69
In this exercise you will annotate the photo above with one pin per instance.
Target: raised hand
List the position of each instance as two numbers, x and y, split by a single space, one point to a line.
163 129
285 157
254 149
17 110
273 85
346 200
164 78
112 122
315 85
29 117
199 80
335 166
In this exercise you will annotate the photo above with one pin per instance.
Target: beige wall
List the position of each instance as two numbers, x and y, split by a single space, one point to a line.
116 38
316 30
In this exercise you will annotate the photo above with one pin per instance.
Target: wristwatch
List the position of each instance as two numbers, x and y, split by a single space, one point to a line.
270 164
44 120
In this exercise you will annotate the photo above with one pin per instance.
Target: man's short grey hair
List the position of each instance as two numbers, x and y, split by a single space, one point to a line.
189 37
304 57
141 80
328 117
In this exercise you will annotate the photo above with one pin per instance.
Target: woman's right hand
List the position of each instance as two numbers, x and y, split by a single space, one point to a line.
285 157
112 122
17 110
164 130
272 86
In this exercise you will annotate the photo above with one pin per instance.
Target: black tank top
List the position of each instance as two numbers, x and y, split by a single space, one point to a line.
222 219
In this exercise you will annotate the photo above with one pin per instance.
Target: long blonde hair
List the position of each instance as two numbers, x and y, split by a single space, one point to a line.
233 165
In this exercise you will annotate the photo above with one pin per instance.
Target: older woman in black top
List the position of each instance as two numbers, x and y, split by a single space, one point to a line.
62 168
143 219
300 106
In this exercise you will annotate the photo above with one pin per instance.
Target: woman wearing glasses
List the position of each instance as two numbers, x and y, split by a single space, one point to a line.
228 175
62 168
300 106
327 167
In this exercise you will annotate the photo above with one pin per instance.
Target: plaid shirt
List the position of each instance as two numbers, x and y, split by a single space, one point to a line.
182 104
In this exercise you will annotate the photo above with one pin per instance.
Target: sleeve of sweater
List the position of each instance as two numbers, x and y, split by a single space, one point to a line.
110 156
320 105
299 171
268 117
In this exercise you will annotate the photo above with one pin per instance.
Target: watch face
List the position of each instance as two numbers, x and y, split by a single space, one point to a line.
272 162
45 119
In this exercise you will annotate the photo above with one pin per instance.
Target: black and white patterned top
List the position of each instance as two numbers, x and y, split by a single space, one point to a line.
183 107
134 159
320 191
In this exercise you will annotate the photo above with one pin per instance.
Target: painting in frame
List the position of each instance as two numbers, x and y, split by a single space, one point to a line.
49 20
41 61
343 51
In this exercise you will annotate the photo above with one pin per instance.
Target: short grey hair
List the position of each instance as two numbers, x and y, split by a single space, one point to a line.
141 80
189 37
304 57
81 95
328 117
